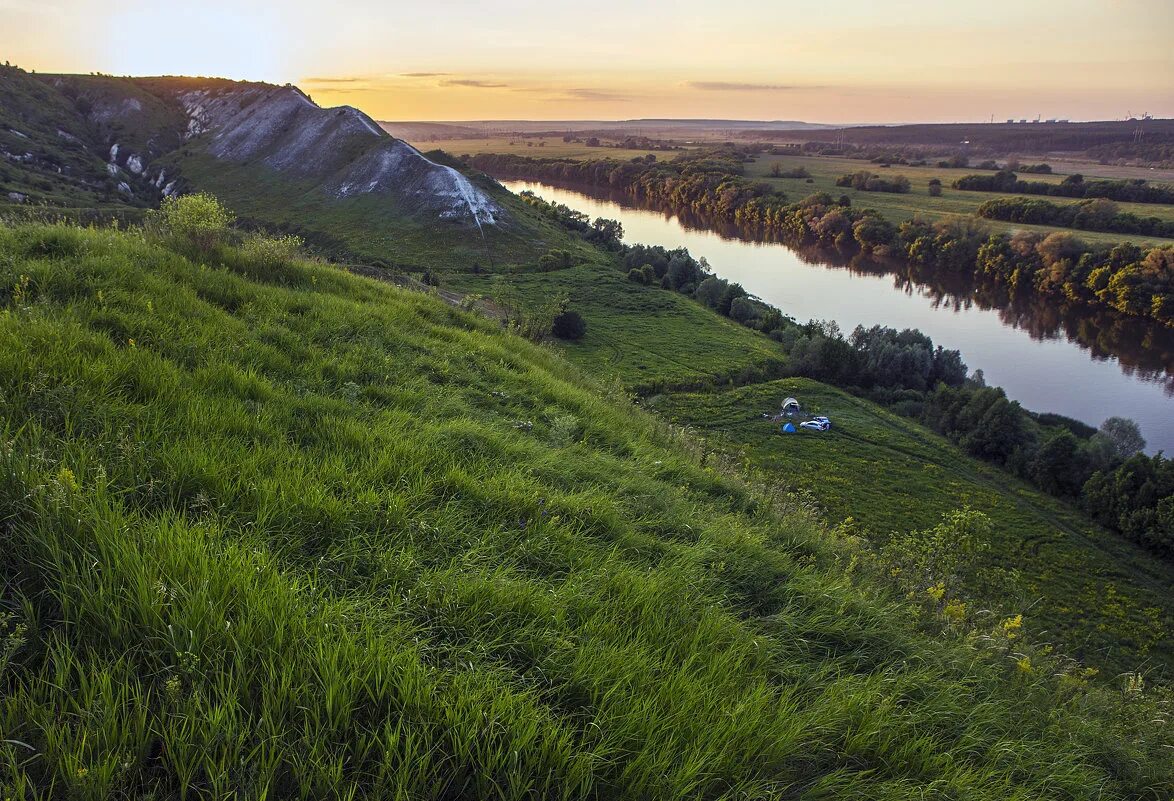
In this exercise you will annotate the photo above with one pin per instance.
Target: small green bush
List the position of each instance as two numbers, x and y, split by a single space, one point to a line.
568 325
200 220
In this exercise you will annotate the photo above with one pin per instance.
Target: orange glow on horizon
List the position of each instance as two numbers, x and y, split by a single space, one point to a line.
750 59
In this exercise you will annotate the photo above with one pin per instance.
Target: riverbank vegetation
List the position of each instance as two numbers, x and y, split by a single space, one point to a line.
278 530
1124 278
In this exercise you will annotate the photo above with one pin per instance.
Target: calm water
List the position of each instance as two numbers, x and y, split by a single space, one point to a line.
1028 352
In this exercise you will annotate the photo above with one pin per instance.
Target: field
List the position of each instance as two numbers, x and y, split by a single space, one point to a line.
550 147
274 530
1100 596
824 171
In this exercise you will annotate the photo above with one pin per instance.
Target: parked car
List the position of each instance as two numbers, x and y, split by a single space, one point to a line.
815 425
824 420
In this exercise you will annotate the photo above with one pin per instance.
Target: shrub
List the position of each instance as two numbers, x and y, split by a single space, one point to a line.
568 325
199 220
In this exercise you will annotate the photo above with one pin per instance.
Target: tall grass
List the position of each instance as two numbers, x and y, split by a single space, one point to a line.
275 531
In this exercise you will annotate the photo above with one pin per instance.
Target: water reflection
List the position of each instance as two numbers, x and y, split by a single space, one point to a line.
1144 349
1067 359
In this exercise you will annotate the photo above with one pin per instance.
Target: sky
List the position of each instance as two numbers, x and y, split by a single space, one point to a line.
835 62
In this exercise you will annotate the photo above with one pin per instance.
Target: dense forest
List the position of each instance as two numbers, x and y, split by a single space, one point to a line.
1103 470
1057 266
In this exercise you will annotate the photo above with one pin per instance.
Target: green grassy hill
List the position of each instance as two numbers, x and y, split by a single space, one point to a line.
1101 597
276 530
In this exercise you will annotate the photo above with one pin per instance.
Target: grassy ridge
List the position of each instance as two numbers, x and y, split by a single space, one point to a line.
279 530
1103 598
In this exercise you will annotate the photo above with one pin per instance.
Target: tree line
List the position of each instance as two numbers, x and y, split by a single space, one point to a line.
1131 190
1057 266
867 181
1094 214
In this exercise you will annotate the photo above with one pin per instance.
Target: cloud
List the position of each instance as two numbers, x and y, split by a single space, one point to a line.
423 74
473 84
734 86
332 80
595 94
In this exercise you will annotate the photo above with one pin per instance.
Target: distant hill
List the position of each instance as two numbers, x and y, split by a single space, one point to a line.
645 126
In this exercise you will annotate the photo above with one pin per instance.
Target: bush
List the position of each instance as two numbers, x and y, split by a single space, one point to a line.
568 325
199 220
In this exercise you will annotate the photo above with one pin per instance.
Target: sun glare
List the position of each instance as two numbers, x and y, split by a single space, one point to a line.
215 39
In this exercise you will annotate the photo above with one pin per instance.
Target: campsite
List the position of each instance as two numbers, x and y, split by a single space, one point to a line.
792 419
883 476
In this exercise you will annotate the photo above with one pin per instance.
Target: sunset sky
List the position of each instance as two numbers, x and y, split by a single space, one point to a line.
849 61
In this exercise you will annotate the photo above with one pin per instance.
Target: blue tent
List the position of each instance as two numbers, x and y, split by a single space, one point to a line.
788 428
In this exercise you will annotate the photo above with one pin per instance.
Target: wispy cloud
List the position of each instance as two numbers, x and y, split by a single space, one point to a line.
333 80
423 74
595 94
735 86
474 84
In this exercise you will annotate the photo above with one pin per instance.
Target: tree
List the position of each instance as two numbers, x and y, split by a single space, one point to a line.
1057 467
744 310
1124 435
709 291
729 294
609 231
935 187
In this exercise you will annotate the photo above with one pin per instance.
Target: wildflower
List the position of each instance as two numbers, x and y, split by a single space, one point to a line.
1012 627
955 611
937 591
1024 665
67 479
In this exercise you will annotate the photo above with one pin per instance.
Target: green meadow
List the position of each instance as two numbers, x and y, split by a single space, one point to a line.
272 530
1092 593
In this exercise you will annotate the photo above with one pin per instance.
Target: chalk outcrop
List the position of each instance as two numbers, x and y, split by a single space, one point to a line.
341 150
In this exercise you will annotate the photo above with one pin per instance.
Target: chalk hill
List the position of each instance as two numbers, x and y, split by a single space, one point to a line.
73 140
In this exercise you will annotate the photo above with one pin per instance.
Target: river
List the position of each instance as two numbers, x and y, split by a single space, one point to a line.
1048 365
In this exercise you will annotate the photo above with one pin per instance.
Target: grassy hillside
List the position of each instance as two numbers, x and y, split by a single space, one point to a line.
274 529
370 228
37 161
645 337
1101 597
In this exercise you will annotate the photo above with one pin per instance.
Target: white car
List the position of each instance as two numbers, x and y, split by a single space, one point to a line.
815 425
821 419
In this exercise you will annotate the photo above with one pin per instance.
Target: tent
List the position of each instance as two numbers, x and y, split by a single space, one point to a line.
791 406
788 428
